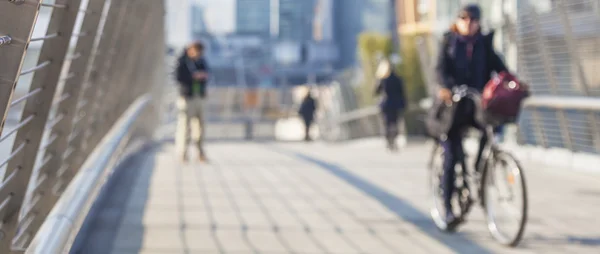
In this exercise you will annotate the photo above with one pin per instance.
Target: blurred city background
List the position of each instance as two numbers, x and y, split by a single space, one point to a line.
264 55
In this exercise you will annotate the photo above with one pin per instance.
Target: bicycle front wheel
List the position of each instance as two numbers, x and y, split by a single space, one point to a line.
505 199
435 184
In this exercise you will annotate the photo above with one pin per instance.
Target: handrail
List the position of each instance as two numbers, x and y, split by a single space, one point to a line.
365 112
74 204
561 102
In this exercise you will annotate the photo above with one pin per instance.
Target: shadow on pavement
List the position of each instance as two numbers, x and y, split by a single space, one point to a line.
566 240
457 242
103 223
584 240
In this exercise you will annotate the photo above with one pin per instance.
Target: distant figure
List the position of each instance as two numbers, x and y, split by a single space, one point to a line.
393 102
192 77
307 112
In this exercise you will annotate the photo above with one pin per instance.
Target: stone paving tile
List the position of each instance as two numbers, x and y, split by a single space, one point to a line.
301 242
559 220
264 198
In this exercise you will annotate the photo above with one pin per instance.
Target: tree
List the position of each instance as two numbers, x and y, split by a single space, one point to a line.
372 47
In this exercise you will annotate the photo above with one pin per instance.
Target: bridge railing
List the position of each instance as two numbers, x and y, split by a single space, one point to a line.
96 59
560 57
557 53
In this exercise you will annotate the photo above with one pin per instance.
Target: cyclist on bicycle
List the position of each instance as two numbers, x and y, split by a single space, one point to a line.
467 57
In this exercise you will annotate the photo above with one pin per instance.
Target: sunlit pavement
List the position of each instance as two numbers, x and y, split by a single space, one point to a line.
319 198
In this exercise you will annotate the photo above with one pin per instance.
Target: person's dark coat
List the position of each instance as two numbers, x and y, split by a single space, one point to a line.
308 108
454 68
185 68
393 89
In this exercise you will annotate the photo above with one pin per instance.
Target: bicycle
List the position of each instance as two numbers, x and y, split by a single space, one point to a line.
486 181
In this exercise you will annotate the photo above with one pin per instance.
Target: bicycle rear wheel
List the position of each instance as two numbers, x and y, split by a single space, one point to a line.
504 183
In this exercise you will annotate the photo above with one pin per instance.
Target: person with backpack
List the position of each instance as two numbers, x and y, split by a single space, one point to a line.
192 77
467 57
393 103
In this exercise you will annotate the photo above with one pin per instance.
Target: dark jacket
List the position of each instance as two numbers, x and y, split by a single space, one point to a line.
308 108
185 68
393 89
454 67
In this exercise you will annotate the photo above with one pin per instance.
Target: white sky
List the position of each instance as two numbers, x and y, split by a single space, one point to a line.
220 15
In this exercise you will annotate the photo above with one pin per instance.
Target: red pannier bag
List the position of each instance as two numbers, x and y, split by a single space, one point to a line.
502 98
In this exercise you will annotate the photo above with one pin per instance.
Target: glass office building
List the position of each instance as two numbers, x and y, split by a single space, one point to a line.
352 17
295 20
253 17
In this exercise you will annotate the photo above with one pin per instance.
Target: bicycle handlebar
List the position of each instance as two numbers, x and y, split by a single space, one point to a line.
462 91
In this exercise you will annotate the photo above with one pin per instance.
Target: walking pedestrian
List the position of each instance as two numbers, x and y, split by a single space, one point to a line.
393 103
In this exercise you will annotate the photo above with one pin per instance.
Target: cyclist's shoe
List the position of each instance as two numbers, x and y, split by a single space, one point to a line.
451 222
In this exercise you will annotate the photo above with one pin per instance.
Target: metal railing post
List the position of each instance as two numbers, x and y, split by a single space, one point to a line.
544 53
564 129
572 47
153 59
66 106
100 123
595 129
126 74
537 126
16 26
117 58
118 52
52 54
77 151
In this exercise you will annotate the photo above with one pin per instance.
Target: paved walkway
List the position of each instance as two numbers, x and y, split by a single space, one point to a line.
318 198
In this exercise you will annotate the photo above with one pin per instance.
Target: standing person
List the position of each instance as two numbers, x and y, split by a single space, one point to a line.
192 77
307 112
466 57
392 106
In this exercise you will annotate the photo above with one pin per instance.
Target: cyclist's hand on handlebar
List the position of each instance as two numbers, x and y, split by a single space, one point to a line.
445 94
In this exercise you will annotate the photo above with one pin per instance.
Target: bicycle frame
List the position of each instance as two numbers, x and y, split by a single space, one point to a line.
490 149
478 178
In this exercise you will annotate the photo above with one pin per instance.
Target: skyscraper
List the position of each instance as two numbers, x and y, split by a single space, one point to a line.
253 17
295 20
323 21
198 20
355 17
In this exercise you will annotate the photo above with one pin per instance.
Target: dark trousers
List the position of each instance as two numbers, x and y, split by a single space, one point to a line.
453 148
307 123
390 121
